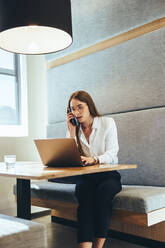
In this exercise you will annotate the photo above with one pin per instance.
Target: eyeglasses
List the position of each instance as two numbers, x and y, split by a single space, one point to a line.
80 108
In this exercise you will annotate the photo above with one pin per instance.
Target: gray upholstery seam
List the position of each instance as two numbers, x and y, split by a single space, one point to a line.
116 113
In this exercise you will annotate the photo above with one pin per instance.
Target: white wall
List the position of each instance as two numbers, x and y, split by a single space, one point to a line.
24 147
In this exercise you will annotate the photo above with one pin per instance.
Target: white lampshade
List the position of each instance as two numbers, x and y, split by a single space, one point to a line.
35 26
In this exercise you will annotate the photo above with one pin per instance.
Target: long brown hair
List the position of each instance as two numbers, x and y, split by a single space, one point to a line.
83 96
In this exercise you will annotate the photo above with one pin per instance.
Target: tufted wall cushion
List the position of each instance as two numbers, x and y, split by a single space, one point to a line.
96 20
139 199
119 78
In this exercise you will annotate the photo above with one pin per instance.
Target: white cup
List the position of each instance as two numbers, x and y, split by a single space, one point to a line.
10 160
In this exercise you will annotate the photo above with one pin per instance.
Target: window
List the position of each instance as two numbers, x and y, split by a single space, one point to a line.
13 97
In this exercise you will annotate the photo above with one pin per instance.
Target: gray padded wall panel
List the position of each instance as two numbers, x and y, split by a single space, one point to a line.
141 136
57 130
127 77
97 20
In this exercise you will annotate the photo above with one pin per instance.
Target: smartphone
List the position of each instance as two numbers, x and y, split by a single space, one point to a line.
74 120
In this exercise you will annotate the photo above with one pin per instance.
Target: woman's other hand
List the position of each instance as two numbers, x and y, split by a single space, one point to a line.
88 160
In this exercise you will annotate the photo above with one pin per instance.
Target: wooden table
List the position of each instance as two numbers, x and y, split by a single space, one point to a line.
26 171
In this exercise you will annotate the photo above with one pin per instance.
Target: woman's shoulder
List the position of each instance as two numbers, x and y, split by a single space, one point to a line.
106 121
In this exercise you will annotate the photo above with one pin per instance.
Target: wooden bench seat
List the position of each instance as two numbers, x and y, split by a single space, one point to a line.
140 205
67 211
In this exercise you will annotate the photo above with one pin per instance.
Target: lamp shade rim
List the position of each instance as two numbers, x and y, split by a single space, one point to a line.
37 40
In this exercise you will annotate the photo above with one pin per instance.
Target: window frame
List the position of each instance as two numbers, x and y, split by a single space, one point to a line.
21 129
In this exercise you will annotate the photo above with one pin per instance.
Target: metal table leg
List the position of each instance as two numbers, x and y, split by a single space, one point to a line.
23 199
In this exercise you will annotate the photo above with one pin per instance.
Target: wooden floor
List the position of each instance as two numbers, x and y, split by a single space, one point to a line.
60 236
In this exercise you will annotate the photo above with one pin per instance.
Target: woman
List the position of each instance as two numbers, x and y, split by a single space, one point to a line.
96 137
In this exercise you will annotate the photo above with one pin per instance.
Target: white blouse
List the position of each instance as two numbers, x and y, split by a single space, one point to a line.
103 141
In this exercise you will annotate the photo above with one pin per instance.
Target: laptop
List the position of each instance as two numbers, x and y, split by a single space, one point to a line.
59 152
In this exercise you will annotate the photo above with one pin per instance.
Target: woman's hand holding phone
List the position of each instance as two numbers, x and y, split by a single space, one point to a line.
71 127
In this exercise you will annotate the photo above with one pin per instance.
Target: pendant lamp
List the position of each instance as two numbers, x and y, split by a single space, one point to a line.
35 26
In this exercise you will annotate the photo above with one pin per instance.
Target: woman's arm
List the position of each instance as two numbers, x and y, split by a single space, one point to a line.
105 144
71 133
111 145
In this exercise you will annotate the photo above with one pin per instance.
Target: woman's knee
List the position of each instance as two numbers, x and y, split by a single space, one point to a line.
84 192
108 189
